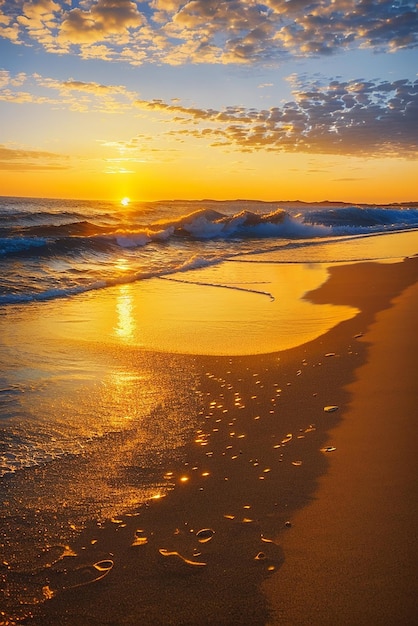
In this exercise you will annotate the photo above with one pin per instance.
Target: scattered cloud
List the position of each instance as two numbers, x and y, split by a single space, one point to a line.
368 118
209 31
357 117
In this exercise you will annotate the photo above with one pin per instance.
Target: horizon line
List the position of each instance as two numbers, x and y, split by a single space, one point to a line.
188 200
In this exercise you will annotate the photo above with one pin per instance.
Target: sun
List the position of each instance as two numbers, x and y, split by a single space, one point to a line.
125 201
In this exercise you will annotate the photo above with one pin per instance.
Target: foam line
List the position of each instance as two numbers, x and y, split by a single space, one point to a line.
202 284
310 262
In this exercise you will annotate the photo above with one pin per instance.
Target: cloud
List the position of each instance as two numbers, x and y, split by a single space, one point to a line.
18 153
92 87
210 31
8 92
90 96
18 159
39 19
9 29
357 117
75 95
368 118
28 167
104 19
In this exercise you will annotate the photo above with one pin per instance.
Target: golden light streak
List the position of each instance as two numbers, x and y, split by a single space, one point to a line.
125 328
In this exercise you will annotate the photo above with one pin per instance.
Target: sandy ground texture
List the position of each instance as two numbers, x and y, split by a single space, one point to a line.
352 555
294 501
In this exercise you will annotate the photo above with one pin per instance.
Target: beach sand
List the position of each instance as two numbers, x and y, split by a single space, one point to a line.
352 555
299 466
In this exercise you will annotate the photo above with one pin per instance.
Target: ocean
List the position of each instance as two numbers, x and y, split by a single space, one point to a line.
58 248
101 393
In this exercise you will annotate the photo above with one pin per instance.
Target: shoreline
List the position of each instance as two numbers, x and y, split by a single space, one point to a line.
246 478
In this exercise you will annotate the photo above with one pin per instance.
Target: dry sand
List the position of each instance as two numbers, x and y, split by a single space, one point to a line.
352 555
303 533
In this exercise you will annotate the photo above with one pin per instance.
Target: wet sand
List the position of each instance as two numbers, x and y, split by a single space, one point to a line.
297 473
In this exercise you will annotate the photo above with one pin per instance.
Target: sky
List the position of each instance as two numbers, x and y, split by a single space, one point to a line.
275 100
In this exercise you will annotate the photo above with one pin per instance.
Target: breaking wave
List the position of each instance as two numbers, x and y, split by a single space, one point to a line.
200 225
57 250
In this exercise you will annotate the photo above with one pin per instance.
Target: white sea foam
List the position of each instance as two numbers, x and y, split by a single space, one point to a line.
134 239
197 262
209 224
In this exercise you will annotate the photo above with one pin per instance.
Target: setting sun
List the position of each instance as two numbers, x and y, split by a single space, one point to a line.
125 201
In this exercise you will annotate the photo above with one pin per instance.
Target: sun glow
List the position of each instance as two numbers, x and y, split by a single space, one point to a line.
125 201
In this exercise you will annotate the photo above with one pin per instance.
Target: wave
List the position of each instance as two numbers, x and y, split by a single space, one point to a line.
19 244
58 260
207 224
195 262
44 247
359 218
11 215
204 224
51 294
211 224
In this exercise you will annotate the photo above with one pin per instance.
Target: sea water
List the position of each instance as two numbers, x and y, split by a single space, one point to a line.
58 248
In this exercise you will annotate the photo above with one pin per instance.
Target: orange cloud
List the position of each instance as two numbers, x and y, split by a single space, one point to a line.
104 19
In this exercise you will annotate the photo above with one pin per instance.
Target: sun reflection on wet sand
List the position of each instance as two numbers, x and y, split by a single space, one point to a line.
126 326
